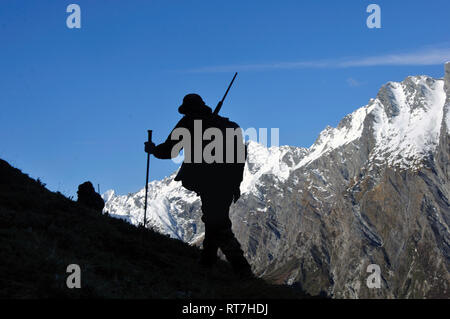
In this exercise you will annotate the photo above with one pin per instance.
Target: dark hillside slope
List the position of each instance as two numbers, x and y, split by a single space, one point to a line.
42 232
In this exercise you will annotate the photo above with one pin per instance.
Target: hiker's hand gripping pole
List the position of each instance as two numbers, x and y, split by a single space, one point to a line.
146 179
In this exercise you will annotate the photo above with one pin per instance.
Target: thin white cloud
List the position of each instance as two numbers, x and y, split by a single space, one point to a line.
429 56
424 57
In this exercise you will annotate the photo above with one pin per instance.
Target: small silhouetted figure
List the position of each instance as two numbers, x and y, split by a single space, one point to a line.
88 197
217 183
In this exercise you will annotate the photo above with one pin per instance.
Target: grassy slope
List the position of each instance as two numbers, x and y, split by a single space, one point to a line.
42 232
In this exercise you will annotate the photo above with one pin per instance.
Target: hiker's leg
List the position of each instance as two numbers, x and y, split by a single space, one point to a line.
233 251
215 207
210 242
210 247
226 240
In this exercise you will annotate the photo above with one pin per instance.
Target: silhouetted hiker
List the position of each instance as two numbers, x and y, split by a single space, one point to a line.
217 183
89 198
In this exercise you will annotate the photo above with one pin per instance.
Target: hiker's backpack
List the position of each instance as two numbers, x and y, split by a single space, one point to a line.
201 177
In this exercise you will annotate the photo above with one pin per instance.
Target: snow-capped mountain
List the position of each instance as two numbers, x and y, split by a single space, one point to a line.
373 190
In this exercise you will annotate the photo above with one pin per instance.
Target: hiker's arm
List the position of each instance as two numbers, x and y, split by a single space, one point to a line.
164 150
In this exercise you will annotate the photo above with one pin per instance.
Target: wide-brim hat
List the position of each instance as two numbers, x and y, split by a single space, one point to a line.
193 104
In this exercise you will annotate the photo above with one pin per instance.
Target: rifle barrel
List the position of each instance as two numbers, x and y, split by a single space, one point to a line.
219 105
229 87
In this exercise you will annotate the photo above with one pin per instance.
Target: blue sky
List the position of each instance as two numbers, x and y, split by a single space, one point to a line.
75 104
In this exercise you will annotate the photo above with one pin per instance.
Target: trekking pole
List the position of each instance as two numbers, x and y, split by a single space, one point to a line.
219 105
146 179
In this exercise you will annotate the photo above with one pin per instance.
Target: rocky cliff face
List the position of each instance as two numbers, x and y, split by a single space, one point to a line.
373 190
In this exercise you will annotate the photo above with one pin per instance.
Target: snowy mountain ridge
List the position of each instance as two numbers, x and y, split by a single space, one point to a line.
373 190
404 120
